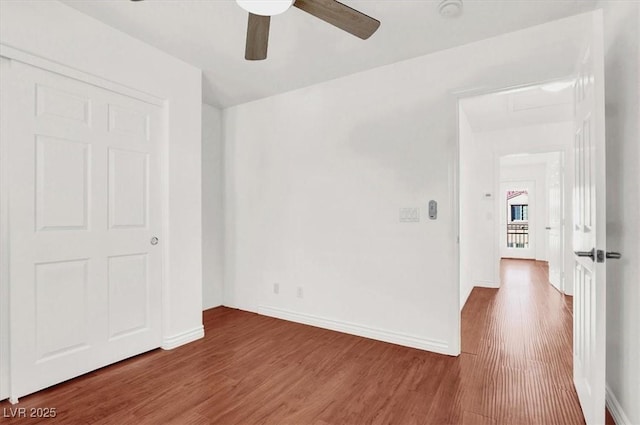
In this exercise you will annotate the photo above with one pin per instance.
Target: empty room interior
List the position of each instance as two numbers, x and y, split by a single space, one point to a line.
320 212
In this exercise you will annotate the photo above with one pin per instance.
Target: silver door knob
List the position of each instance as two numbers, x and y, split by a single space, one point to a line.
154 241
614 255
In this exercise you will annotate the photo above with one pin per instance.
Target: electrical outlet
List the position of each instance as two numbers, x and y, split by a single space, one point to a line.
276 288
300 292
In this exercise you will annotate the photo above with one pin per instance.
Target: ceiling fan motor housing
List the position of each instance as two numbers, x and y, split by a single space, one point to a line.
265 7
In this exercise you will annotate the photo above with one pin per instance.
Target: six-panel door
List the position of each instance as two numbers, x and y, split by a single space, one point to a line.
84 204
589 231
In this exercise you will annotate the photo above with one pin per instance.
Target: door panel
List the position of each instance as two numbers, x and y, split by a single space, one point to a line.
61 104
62 184
590 228
128 122
62 308
84 203
128 295
128 189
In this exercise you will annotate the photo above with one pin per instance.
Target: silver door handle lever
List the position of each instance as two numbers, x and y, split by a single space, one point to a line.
591 254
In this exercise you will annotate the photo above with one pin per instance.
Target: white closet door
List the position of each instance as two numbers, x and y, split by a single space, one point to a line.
84 205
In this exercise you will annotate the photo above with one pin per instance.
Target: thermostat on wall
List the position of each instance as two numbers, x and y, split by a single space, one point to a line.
433 210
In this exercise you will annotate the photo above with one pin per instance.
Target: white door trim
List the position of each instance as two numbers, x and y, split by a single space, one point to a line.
568 201
4 251
459 96
8 54
51 66
560 225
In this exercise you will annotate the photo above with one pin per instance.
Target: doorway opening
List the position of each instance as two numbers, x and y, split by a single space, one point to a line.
567 118
516 170
517 228
517 231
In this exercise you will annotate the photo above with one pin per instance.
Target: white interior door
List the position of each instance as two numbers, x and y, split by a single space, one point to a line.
517 233
555 221
84 204
589 236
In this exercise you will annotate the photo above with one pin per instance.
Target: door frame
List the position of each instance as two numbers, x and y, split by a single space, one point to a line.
458 97
542 148
8 55
563 221
5 383
567 169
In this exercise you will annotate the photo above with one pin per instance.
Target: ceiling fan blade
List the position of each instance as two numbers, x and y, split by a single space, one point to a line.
341 16
257 37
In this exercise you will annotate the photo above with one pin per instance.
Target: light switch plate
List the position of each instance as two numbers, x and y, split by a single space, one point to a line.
409 215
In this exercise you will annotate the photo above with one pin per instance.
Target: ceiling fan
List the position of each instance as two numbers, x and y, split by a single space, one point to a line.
330 11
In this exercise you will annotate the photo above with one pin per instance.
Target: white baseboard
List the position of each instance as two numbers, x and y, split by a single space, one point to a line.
619 417
175 341
486 284
466 298
441 347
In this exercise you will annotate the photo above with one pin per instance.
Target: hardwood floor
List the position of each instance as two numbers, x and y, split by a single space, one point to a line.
522 345
515 369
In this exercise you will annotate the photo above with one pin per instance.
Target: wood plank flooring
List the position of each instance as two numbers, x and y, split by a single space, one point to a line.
515 369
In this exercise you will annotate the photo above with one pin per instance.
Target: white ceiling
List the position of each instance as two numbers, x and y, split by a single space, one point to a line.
520 107
303 50
522 160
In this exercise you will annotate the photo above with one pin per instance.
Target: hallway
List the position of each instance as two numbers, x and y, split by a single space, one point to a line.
519 339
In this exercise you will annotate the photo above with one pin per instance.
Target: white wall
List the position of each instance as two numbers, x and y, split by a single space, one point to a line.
480 152
622 73
315 178
212 210
61 34
477 197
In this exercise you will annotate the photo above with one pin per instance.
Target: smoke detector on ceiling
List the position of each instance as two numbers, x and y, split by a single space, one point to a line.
450 8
